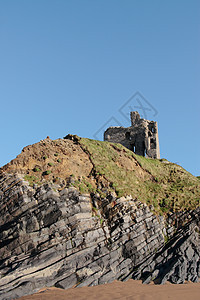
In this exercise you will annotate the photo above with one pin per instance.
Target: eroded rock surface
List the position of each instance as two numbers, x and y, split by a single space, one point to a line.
56 237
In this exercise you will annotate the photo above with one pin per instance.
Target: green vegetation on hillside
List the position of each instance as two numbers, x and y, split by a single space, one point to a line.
165 185
32 180
102 167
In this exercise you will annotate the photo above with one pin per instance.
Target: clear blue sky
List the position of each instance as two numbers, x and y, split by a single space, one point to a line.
68 66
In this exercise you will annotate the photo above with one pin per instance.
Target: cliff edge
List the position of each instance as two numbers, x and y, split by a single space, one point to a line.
78 212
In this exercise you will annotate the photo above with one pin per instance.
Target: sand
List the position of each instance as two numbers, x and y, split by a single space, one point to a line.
122 290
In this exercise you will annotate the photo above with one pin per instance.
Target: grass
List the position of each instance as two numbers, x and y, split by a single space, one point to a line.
32 180
119 179
83 185
167 186
176 188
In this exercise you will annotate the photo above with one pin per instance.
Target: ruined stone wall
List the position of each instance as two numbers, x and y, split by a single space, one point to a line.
56 237
141 137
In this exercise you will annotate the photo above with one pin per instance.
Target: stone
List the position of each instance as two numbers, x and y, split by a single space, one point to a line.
53 239
141 137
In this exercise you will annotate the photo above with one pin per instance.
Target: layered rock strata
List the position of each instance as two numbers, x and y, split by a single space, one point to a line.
50 236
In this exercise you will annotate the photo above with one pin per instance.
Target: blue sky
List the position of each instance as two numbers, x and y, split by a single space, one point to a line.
68 67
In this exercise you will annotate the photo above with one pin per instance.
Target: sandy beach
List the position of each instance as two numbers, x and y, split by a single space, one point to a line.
130 290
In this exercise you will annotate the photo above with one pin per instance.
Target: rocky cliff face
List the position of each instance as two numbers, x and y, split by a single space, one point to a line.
51 235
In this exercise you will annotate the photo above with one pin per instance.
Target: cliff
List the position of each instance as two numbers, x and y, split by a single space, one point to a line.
78 212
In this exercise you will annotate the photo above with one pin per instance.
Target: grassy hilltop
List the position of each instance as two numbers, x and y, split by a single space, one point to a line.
102 167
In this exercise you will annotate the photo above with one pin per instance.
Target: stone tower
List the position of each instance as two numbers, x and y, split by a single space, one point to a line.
141 137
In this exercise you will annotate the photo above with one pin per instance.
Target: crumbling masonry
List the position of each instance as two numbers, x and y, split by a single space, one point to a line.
141 137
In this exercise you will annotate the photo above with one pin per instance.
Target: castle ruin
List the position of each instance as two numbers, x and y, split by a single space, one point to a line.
141 137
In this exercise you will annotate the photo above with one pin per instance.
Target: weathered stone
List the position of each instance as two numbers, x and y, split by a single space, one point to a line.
141 137
54 238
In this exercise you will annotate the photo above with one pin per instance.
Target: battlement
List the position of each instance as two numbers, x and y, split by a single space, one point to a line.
141 137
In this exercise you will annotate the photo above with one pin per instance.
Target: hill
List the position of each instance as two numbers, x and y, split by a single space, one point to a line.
78 212
94 166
